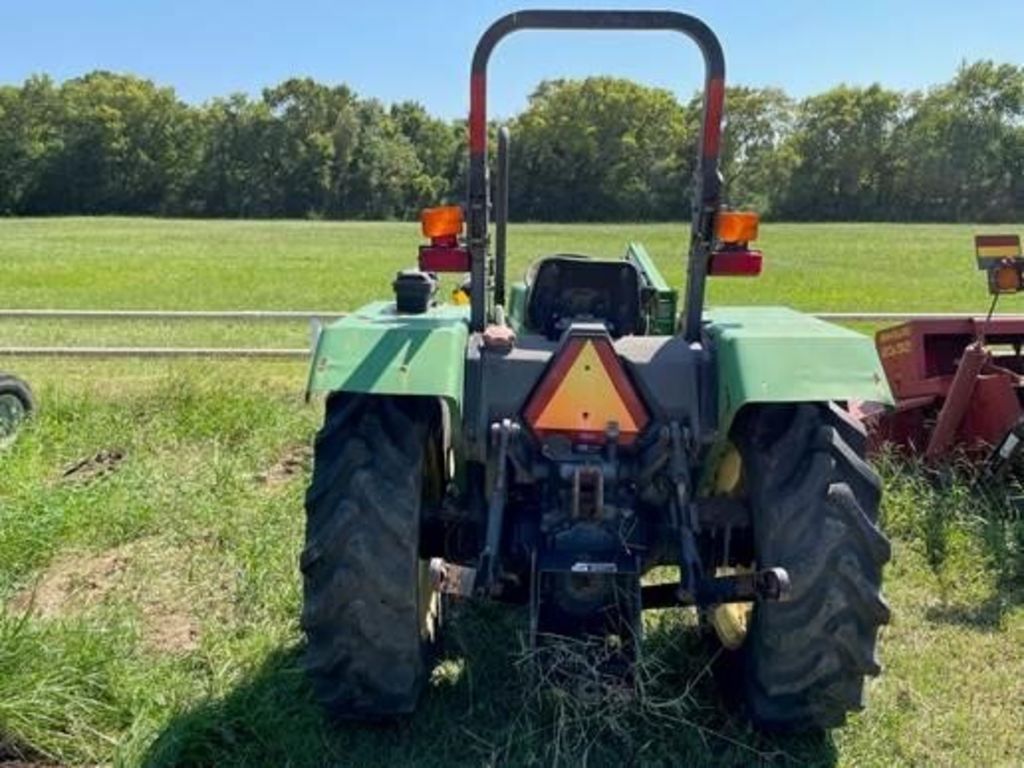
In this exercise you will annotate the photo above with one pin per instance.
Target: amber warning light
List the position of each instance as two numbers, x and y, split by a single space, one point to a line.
1000 256
444 254
733 256
737 227
584 393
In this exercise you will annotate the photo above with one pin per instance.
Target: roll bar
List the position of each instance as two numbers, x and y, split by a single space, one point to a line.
708 197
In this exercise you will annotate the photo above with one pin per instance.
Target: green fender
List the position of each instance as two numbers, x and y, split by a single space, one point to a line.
777 355
376 350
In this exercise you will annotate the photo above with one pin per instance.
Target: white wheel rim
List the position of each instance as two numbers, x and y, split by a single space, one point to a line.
12 414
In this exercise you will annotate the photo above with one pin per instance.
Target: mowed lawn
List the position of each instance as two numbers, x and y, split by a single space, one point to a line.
158 264
151 518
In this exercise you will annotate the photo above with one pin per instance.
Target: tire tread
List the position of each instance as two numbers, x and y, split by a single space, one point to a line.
816 504
366 654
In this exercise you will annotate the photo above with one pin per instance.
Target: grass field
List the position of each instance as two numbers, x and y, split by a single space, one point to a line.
151 517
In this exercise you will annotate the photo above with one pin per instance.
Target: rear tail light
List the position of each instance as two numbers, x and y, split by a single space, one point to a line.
444 258
740 262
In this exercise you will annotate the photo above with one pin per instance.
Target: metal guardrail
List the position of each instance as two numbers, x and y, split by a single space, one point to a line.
279 316
889 317
160 314
274 315
244 315
155 352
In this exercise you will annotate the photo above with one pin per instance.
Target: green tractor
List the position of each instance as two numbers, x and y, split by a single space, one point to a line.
16 405
549 442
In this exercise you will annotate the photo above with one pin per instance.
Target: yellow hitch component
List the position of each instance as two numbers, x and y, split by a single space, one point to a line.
731 620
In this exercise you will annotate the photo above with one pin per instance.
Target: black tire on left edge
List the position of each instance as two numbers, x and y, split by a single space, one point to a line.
16 404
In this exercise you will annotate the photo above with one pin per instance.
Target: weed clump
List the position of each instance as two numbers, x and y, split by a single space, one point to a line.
586 702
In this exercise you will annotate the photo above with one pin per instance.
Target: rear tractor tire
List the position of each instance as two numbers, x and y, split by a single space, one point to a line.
803 662
370 612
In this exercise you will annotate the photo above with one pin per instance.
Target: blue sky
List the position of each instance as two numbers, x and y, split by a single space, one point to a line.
409 49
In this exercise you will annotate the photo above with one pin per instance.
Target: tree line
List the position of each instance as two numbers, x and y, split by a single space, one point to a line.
596 149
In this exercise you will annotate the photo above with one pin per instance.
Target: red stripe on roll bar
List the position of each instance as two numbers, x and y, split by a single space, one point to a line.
713 116
478 112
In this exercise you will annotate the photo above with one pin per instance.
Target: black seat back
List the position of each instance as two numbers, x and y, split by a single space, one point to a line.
564 288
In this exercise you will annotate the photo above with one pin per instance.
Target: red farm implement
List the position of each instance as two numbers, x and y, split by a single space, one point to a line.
958 382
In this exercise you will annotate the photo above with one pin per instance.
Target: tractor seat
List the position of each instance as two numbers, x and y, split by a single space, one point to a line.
565 288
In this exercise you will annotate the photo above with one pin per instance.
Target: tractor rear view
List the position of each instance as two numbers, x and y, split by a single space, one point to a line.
549 442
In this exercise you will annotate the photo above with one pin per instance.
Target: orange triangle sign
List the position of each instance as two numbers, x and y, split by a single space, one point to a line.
588 398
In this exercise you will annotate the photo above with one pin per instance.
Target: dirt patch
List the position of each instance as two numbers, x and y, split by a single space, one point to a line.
93 468
168 586
73 584
295 461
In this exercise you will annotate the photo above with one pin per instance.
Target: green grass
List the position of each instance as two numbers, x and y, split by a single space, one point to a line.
159 264
168 590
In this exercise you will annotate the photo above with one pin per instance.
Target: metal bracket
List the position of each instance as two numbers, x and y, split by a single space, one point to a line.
502 433
451 579
685 516
770 584
1003 455
587 492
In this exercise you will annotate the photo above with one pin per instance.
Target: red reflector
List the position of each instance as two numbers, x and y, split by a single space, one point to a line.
989 247
583 391
434 258
735 264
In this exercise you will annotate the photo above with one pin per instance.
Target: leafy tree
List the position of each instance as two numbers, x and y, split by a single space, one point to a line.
384 178
756 161
962 147
843 142
594 149
438 148
29 140
236 174
306 115
123 145
601 149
